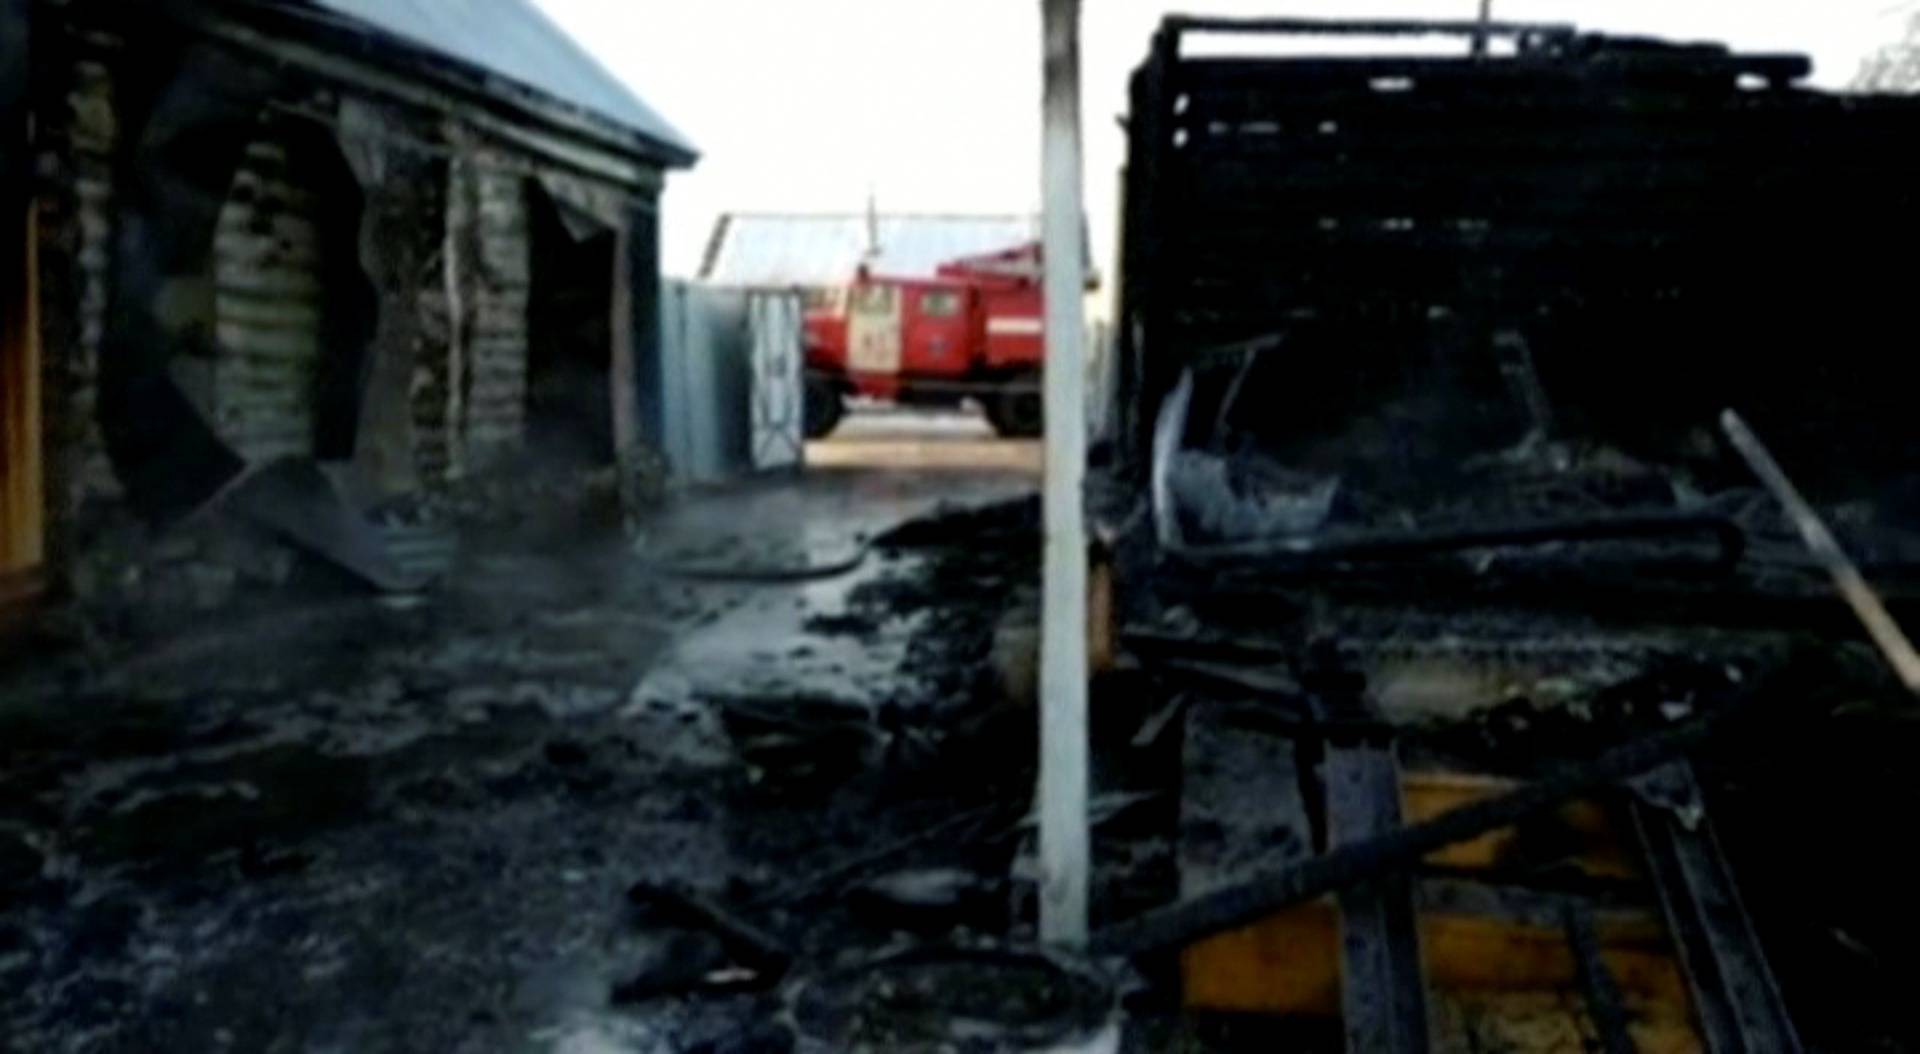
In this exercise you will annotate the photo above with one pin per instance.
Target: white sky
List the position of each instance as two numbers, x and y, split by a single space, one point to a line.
803 105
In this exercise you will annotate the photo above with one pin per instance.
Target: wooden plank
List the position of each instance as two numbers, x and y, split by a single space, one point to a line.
1101 631
1549 1023
1847 580
1735 994
1510 124
1290 963
1582 834
242 249
1287 964
1384 990
271 348
271 315
285 285
1244 810
1621 72
20 595
22 497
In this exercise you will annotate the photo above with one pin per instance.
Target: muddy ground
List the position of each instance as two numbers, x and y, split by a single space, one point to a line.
675 794
346 824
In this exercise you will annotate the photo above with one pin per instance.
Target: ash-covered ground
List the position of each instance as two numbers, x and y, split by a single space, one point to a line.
758 781
347 824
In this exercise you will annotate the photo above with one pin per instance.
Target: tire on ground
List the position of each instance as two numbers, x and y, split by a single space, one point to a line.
822 409
1018 410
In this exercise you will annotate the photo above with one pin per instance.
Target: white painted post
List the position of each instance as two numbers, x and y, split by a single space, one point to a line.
1063 639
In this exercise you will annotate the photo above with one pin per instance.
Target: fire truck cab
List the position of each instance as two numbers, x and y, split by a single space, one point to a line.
971 333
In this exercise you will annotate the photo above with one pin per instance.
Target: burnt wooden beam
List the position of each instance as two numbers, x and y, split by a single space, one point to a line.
1333 546
1369 860
1847 579
1669 69
1605 1005
1736 999
1383 994
1366 27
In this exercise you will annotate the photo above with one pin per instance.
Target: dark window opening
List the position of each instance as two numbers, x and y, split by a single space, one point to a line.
570 339
876 300
940 303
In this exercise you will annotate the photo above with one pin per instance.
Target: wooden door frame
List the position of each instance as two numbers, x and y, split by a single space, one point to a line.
23 486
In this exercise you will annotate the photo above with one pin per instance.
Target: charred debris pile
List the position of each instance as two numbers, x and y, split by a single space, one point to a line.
1506 697
1468 687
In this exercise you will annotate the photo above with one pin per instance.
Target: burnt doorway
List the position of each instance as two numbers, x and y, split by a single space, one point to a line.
570 334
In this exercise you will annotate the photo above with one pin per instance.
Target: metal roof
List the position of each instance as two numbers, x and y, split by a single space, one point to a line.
765 250
515 40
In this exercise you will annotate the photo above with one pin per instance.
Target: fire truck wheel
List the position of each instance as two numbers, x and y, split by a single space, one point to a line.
823 408
1018 412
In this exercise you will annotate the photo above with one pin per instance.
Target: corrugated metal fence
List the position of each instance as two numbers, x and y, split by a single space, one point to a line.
730 379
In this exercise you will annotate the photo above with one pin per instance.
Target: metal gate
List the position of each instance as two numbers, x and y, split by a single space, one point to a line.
730 381
776 322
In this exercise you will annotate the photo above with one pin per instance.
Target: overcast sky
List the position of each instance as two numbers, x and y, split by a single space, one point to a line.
803 105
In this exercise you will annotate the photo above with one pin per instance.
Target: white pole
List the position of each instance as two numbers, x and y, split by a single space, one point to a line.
1063 639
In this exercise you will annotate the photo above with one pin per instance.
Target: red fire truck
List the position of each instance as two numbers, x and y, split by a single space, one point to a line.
971 332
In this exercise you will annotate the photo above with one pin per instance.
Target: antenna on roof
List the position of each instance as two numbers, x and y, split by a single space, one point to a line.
873 223
1480 35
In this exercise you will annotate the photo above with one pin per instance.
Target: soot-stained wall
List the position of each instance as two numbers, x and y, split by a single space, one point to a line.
361 295
1668 230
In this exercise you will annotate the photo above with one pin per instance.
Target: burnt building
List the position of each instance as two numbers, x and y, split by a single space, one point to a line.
1436 475
393 244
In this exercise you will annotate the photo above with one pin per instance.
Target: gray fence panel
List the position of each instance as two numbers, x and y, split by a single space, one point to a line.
708 382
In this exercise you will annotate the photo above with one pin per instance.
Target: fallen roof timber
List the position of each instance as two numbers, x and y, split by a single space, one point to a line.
1392 853
1458 942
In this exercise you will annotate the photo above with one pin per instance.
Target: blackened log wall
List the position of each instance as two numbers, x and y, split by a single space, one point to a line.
1672 229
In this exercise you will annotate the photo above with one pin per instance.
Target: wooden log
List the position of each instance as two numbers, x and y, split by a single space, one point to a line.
1847 579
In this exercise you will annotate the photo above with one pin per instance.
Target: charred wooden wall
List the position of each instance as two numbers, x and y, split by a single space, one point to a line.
400 250
76 134
282 253
1672 230
488 226
364 296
